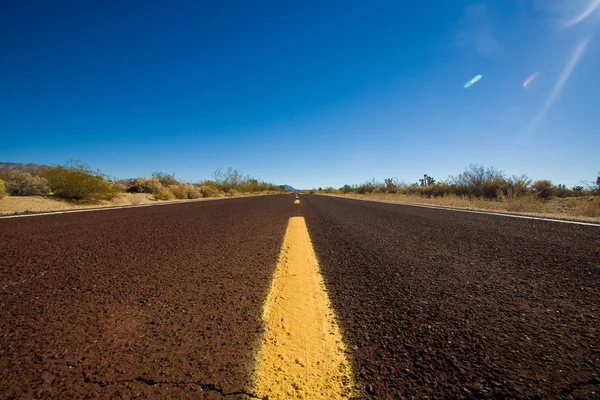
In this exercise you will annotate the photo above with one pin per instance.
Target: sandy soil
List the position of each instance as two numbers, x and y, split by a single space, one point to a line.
17 205
565 209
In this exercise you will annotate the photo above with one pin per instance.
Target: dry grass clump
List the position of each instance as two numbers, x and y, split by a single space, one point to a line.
21 183
2 189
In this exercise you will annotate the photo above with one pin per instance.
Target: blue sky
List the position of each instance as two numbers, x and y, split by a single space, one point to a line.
306 93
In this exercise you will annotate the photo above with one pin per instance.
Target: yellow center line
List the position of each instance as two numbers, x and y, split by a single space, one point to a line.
302 355
296 201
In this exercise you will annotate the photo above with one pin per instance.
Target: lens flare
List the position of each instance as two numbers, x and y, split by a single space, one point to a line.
589 10
472 81
558 86
529 80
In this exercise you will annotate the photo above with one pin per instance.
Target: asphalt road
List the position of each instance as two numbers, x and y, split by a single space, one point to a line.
166 301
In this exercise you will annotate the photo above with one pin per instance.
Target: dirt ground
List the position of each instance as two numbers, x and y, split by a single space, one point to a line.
34 204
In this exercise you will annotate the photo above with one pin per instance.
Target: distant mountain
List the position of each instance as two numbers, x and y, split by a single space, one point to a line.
20 166
291 189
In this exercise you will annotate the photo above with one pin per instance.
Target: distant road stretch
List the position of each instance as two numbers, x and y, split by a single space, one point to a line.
177 301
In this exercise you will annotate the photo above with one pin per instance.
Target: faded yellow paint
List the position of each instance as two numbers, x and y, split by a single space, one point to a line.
302 355
296 201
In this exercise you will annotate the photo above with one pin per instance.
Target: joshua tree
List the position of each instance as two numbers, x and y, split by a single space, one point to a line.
427 180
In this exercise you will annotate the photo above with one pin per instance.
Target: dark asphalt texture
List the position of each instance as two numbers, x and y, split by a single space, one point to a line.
166 301
133 303
443 304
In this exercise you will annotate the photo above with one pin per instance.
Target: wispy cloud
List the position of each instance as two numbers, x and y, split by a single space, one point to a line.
558 86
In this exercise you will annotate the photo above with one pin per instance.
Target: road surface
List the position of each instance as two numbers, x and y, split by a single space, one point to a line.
168 301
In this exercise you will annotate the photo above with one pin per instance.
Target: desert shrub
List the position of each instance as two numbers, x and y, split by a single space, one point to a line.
208 191
163 194
2 189
476 180
332 190
228 179
120 187
232 192
391 185
165 179
561 191
368 186
76 181
21 183
194 193
179 191
376 190
517 186
312 191
412 190
185 191
144 185
543 189
490 188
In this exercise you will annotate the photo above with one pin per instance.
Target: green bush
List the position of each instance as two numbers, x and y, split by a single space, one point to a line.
21 183
76 181
2 190
143 185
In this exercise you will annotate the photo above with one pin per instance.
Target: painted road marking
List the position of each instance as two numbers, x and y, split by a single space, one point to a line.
302 354
500 214
296 201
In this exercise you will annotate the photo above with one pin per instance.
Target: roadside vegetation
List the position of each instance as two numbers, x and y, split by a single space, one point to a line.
76 182
484 188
